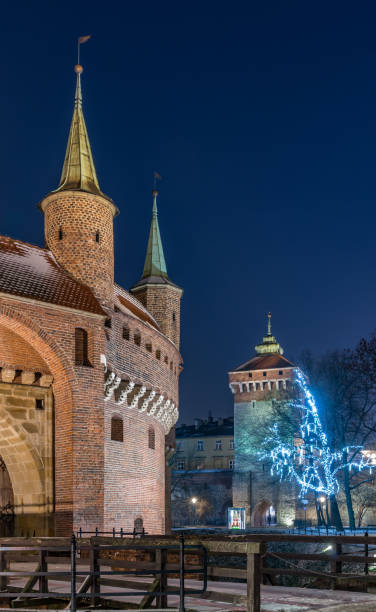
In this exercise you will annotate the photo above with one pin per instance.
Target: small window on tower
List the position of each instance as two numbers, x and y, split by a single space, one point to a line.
137 338
97 237
126 332
60 233
39 404
264 373
280 372
166 359
151 438
158 354
148 347
173 316
171 365
250 375
81 347
117 429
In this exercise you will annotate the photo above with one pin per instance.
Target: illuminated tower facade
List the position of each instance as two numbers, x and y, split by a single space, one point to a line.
255 384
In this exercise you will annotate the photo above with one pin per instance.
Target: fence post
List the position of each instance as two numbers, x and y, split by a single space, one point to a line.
94 570
181 559
3 568
161 562
254 576
43 583
73 574
366 552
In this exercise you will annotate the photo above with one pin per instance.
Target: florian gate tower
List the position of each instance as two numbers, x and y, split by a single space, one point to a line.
88 371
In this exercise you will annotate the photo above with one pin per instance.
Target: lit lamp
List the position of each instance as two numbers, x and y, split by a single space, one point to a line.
194 501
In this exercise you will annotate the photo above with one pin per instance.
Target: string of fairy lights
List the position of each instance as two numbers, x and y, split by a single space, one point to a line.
309 460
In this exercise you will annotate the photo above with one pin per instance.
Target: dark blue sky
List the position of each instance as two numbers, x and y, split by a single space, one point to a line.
261 118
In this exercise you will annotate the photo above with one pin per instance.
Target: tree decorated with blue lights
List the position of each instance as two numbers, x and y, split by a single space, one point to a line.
308 459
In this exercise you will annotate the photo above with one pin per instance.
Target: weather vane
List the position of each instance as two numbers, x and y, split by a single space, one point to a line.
81 40
157 177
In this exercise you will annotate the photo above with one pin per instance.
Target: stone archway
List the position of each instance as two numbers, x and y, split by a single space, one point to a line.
30 471
260 514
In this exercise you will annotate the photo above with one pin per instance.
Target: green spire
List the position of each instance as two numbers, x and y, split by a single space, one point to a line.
78 169
155 263
269 343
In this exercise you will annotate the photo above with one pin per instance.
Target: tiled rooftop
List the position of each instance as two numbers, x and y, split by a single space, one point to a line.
265 362
31 272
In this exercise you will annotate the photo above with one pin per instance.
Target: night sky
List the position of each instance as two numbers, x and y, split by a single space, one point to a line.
261 118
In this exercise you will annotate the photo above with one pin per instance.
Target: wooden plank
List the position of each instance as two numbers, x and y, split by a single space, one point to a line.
3 568
319 557
233 547
95 583
43 580
253 582
161 562
227 572
305 572
147 600
83 589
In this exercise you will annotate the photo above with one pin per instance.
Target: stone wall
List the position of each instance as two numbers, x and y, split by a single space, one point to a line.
26 445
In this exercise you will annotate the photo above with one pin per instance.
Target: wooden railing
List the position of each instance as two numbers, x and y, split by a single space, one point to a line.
170 564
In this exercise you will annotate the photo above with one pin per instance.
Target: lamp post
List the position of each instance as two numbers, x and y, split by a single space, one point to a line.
194 501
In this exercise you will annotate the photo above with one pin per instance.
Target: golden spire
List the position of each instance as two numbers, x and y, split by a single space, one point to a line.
78 169
269 344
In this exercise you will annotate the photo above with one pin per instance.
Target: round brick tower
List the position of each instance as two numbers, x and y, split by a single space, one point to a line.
78 216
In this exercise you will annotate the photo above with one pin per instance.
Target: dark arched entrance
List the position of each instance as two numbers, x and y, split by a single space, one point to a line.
6 502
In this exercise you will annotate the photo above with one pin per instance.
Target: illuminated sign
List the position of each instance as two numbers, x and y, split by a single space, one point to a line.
236 518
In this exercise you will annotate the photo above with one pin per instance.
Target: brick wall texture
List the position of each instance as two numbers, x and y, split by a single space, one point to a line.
163 302
98 482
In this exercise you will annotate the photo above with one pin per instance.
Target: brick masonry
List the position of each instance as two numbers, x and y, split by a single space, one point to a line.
98 482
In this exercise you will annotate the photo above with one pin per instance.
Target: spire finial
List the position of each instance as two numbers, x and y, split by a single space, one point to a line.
269 323
78 96
269 344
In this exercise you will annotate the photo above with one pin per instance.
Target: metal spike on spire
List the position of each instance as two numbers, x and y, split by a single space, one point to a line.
269 323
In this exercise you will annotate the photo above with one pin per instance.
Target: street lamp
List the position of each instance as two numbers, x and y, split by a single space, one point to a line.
194 501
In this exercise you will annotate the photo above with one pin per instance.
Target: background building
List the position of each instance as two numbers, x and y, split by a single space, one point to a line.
202 471
256 384
89 371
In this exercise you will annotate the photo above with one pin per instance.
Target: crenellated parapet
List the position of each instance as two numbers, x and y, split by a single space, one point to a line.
142 399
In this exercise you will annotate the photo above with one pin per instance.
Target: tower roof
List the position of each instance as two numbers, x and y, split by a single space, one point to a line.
155 269
78 170
155 263
269 344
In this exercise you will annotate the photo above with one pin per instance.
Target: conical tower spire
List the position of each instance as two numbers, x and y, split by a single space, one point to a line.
78 169
269 343
155 263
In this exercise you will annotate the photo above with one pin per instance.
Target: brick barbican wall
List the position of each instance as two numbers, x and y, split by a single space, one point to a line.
80 216
92 472
163 302
78 396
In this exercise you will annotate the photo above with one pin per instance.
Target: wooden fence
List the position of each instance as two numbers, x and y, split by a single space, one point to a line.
90 565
